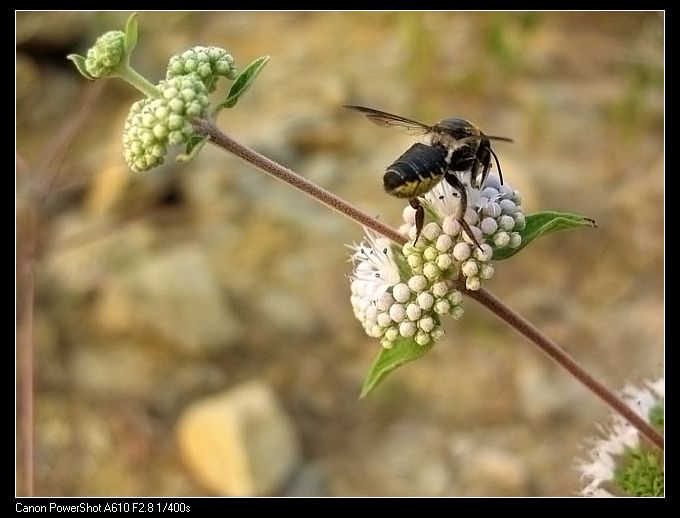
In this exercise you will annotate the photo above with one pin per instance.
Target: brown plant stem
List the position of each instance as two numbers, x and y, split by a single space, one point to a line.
25 354
491 302
287 175
556 353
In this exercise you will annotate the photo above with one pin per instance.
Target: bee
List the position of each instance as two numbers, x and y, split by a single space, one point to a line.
456 147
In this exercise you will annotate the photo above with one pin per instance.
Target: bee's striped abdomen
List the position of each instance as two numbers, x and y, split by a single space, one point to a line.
415 172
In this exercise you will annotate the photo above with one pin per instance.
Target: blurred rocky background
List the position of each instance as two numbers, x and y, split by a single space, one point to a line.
192 326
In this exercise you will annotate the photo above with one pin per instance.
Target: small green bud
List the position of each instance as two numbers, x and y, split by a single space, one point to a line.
206 63
106 54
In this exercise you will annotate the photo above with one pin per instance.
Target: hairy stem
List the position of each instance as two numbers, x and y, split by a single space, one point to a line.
26 354
251 156
555 352
485 298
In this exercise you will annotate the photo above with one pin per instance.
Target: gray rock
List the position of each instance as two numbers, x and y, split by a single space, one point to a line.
174 297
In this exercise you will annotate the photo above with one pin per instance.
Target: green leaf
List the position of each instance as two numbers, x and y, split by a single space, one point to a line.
79 62
130 33
405 350
194 146
543 223
244 80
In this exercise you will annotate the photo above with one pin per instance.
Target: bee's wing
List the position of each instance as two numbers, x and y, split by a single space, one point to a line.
389 119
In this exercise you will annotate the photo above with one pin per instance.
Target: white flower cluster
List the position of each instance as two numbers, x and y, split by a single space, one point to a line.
494 215
404 292
608 455
391 305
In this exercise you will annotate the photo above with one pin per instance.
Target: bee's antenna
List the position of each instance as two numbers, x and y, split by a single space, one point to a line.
504 139
498 165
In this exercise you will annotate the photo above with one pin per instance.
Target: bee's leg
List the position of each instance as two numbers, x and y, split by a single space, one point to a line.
485 162
474 173
455 182
498 165
420 217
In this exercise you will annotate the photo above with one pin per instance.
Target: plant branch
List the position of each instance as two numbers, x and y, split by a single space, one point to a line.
26 353
556 353
134 78
485 298
251 156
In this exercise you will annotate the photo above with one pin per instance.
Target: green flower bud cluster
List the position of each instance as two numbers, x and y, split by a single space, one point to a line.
106 54
155 123
208 63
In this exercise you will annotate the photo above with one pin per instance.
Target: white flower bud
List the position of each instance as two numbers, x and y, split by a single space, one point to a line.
508 206
430 253
515 239
444 261
444 242
471 216
486 271
377 331
501 240
455 297
392 333
451 226
386 343
413 311
431 231
470 268
408 249
398 312
442 307
401 292
417 283
437 334
492 209
439 289
520 221
506 222
384 301
477 233
371 312
415 261
431 271
384 319
490 193
461 251
407 329
485 254
426 324
488 226
422 338
473 283
425 300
